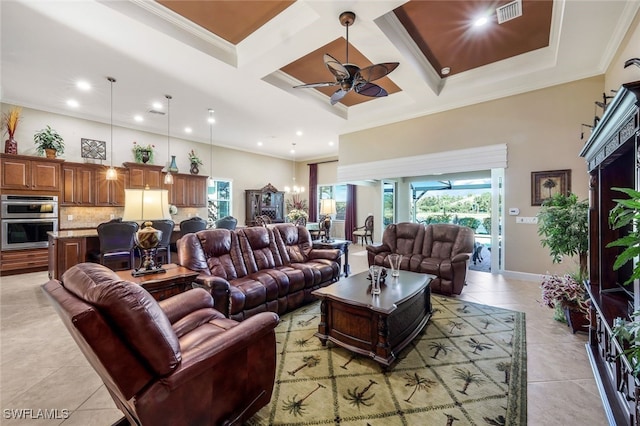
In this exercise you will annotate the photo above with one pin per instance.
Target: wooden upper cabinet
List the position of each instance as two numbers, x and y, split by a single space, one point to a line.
26 173
143 175
188 190
78 184
110 192
198 191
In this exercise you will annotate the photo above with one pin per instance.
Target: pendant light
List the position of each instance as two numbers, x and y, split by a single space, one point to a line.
211 120
168 178
112 174
296 189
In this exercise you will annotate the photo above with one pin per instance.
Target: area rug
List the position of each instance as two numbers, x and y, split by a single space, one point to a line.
467 367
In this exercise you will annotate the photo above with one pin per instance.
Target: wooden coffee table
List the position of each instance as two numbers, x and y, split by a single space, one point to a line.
375 326
163 285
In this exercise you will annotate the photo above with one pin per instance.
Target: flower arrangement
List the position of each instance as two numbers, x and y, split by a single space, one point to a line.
193 158
296 203
140 150
564 292
10 120
295 214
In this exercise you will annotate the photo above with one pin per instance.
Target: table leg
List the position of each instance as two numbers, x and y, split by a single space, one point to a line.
347 269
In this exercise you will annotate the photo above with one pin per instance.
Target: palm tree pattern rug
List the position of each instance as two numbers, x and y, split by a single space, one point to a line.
467 367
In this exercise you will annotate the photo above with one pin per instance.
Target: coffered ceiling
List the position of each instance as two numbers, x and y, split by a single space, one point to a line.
243 59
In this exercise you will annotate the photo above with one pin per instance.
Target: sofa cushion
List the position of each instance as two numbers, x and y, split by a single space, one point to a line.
258 249
145 326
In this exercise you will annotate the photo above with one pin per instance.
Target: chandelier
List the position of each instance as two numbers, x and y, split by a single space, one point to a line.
295 189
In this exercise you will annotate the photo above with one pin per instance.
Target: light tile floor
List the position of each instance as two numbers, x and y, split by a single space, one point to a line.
43 369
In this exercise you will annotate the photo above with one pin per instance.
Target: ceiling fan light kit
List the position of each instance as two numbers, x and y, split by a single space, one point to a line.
349 76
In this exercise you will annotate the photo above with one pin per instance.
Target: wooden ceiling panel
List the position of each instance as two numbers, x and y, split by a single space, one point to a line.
444 31
232 20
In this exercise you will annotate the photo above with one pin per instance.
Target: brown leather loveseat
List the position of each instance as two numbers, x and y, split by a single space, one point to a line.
440 249
174 362
258 269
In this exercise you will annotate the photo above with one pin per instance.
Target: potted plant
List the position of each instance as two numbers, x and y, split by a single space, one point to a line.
568 297
195 162
10 123
48 141
563 224
143 153
628 333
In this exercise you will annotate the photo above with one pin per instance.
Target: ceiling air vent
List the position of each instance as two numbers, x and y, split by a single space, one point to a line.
509 11
153 111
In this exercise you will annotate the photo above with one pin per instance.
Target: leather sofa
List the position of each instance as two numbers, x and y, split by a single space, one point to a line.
257 269
440 249
174 362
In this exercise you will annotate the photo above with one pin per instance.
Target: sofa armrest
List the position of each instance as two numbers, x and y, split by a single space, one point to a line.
460 257
377 248
220 290
329 254
180 305
214 350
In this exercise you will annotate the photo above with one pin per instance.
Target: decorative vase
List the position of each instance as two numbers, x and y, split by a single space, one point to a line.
11 146
145 156
173 167
50 153
194 169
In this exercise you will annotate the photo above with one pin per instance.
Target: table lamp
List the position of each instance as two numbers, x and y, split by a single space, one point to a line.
146 205
327 208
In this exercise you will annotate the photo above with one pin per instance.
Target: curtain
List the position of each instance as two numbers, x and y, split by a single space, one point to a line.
313 192
350 214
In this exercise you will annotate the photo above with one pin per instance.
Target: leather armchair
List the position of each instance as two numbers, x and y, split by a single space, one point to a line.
440 249
178 361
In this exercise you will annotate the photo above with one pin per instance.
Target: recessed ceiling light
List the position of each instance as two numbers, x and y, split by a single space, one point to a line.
83 85
331 143
73 103
138 118
445 71
157 105
188 129
299 133
293 151
481 21
259 143
211 120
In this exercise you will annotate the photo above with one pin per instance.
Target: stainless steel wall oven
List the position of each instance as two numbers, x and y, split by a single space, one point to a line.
26 219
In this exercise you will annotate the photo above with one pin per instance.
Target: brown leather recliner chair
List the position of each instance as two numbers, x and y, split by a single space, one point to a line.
440 249
178 361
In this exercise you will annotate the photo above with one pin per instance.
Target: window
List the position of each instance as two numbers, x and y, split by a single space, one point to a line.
219 198
335 192
389 203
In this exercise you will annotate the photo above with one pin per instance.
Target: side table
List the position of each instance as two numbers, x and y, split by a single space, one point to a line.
342 245
176 280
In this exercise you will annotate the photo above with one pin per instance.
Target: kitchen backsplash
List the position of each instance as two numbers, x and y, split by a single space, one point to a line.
91 217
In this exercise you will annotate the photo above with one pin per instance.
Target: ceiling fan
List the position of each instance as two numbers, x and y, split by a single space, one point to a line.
350 76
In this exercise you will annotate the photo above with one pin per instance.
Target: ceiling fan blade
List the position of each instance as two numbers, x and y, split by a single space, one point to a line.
311 85
335 67
338 95
370 89
374 72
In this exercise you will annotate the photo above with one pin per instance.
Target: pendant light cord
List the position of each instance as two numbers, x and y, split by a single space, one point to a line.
111 80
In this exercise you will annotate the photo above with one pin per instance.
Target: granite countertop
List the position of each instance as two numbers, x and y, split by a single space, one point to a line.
73 233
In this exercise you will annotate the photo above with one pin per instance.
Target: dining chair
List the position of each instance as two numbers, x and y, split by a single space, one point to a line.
163 251
365 231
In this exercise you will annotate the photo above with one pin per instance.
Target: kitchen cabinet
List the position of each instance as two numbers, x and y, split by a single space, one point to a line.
110 192
17 261
23 172
188 190
78 184
143 175
65 253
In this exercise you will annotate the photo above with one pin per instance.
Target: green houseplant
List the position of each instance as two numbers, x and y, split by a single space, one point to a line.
626 213
48 141
564 227
563 224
